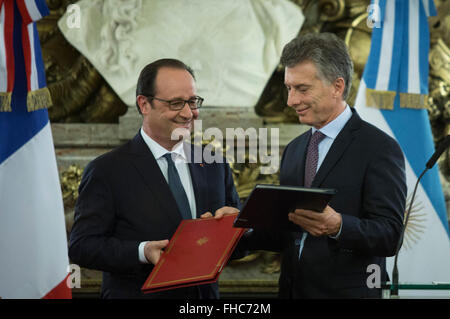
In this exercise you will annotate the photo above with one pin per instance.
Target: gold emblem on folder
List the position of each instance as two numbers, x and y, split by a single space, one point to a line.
202 241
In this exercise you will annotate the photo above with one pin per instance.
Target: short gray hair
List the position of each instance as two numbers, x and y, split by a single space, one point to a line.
328 52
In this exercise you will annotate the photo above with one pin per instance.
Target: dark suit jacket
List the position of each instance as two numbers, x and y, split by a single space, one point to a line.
124 200
366 167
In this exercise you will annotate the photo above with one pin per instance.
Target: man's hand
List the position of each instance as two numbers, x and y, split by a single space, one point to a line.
225 210
154 249
317 224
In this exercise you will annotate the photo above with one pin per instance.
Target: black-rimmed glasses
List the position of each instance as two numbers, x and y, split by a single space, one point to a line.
176 105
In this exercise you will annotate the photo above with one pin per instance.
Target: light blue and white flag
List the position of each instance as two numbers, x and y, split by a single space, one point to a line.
33 242
392 96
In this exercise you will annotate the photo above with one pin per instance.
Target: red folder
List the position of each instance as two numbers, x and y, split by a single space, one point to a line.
196 254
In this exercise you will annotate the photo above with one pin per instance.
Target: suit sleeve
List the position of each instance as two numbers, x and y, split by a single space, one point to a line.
377 229
91 242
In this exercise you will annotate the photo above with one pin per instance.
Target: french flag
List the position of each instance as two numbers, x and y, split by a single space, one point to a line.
27 12
33 243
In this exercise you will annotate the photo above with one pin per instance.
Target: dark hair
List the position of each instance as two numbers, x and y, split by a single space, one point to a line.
147 78
328 52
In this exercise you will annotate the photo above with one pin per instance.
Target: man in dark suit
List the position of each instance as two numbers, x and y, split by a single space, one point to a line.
132 199
361 225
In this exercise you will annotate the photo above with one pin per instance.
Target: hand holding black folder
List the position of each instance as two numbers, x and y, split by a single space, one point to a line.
268 206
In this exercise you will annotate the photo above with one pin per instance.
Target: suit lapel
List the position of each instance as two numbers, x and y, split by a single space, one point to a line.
302 149
337 149
144 161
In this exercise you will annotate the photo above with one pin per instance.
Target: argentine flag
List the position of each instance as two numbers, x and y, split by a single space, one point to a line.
392 96
33 242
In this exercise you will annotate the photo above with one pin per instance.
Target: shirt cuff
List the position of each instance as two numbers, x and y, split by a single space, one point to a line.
142 258
338 234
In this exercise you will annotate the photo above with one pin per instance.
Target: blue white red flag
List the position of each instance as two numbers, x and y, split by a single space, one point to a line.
33 242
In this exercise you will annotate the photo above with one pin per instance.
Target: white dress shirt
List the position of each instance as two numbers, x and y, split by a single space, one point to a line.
331 131
181 164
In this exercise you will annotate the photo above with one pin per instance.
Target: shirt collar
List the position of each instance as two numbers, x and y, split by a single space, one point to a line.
158 151
333 128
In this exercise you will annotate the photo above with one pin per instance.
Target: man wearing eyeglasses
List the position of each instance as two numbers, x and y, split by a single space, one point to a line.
132 199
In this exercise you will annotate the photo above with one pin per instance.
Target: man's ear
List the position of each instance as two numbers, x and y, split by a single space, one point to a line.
339 87
143 103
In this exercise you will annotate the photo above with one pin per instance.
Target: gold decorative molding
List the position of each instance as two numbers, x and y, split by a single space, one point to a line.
70 180
440 60
78 91
331 10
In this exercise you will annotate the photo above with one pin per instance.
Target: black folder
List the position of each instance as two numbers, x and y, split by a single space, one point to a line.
268 205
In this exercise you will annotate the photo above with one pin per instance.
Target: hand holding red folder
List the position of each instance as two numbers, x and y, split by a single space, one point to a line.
221 212
196 254
154 249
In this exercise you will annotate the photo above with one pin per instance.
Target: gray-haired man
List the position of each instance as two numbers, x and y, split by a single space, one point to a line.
361 225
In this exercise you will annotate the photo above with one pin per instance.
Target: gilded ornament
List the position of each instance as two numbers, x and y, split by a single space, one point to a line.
331 10
78 91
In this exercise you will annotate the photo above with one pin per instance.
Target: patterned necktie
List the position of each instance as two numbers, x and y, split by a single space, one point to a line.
312 157
177 188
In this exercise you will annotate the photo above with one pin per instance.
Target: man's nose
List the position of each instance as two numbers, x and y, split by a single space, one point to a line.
186 111
293 98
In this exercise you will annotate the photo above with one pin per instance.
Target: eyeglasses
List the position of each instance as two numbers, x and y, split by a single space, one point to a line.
176 105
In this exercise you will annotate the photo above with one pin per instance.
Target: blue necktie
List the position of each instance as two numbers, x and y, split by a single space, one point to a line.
177 188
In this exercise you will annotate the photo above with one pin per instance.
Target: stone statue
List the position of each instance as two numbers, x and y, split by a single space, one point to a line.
232 46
